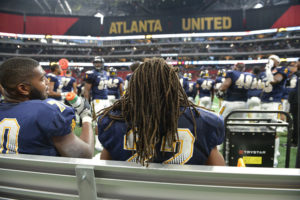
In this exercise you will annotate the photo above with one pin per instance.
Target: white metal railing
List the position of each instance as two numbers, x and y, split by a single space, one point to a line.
44 177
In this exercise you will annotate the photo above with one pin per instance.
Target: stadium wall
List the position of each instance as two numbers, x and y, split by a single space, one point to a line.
223 21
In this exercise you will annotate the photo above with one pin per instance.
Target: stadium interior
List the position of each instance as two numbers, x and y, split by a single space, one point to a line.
121 32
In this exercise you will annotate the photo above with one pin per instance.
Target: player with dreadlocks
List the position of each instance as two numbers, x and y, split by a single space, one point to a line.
155 122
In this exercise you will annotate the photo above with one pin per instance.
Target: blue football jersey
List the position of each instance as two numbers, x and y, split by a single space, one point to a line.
67 83
56 80
28 127
218 82
240 83
293 86
193 146
205 87
219 79
99 83
113 86
192 91
254 90
128 76
184 81
273 93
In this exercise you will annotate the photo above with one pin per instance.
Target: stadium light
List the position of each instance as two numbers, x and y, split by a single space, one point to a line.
258 5
157 36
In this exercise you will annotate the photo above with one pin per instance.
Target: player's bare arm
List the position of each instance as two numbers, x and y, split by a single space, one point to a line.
87 89
215 158
227 83
52 93
75 87
71 146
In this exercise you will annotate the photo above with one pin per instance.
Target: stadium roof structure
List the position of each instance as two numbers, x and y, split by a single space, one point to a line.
131 7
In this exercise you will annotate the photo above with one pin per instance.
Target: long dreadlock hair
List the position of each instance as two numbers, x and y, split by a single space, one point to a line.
151 107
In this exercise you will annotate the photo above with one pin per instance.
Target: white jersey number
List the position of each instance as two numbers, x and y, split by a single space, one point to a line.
112 83
206 85
65 81
102 85
9 129
184 144
244 81
266 86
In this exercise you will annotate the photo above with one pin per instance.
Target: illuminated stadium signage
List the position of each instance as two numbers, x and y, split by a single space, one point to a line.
136 26
217 23
206 23
175 62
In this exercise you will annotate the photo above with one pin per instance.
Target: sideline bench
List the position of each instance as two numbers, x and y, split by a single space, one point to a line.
43 177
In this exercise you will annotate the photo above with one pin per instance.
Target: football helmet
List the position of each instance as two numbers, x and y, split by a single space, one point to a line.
112 71
204 74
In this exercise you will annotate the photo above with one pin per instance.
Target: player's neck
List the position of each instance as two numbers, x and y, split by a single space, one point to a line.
10 100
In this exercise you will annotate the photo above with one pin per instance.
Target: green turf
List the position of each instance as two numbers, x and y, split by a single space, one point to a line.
282 149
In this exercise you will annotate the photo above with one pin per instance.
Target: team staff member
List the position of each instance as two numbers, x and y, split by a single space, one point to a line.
96 85
32 124
156 120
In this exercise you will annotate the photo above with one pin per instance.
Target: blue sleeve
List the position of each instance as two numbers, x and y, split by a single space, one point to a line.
128 77
198 81
72 81
105 136
214 129
112 138
89 77
56 119
52 79
120 80
284 71
229 74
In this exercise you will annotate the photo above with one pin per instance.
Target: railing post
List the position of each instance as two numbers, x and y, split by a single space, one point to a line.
86 182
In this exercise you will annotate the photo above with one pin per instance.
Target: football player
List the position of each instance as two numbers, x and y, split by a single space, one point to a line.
132 67
31 123
218 82
96 84
54 85
253 95
205 86
68 84
184 81
114 85
155 122
192 91
273 84
234 91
